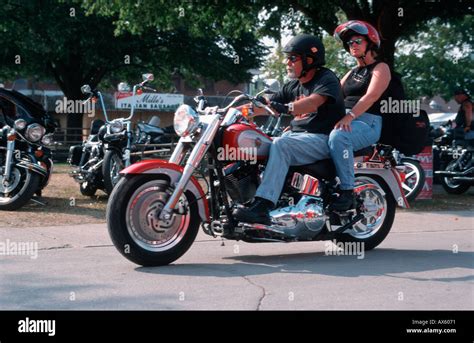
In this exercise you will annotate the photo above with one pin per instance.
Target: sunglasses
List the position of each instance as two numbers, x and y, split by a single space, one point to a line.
293 58
358 41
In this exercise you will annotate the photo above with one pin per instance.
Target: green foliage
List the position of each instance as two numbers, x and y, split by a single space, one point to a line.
77 42
438 59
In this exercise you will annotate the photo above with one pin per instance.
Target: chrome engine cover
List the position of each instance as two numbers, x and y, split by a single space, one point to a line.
302 221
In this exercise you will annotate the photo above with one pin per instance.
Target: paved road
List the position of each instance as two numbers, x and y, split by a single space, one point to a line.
426 262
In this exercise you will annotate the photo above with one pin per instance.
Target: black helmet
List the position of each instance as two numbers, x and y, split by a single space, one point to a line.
307 46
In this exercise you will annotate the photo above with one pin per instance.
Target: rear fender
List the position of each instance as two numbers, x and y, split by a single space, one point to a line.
392 179
173 173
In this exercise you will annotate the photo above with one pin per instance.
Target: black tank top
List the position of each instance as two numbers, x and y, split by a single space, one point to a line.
356 86
461 116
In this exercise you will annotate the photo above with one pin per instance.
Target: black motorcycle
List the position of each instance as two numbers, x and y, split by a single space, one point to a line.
25 159
125 146
454 159
88 158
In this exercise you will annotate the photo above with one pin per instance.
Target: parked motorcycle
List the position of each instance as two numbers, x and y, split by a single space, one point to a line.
155 210
88 159
125 147
25 159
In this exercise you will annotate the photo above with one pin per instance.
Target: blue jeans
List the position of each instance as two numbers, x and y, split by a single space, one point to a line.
291 149
366 131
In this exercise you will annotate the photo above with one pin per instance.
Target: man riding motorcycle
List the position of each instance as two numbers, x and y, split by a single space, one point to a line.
314 98
464 120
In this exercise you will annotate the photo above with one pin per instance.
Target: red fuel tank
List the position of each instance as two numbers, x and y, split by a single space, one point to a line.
244 142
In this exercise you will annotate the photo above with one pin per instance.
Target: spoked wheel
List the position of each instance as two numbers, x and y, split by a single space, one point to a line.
19 189
113 165
414 178
134 226
378 210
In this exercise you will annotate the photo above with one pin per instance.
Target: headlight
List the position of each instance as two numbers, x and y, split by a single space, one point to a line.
116 126
47 139
186 120
35 132
20 124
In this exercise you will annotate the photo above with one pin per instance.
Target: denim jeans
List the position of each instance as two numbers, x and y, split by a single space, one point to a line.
291 149
366 131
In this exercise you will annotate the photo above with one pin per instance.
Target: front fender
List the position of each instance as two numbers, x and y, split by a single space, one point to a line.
392 178
172 172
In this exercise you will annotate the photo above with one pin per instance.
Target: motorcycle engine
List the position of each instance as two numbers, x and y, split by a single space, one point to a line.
303 221
241 181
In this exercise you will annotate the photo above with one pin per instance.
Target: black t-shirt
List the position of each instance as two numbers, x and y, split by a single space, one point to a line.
460 119
326 83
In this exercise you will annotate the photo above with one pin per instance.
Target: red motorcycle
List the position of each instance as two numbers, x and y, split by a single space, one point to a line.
155 210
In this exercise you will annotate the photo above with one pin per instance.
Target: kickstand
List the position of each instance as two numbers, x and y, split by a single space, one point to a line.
35 200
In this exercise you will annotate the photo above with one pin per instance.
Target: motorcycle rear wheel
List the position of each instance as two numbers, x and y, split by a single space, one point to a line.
133 225
450 185
377 225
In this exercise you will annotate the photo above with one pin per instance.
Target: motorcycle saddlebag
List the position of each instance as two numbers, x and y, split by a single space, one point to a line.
75 153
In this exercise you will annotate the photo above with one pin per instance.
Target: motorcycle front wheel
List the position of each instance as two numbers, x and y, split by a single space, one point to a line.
133 221
113 165
23 184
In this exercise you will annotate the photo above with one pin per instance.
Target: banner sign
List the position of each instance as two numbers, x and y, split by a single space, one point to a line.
149 101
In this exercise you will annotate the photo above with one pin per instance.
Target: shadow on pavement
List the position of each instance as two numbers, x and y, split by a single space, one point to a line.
380 262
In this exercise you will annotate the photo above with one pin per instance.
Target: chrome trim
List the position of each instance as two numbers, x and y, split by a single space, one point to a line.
193 161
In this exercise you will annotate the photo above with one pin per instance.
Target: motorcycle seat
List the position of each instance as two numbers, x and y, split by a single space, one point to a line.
150 129
323 169
364 151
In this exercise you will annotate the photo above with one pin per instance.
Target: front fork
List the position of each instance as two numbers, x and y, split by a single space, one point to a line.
8 161
195 158
128 149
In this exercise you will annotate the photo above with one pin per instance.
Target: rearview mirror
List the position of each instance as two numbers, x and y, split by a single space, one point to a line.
86 89
148 77
123 87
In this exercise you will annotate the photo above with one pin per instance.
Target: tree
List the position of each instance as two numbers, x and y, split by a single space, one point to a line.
58 39
393 19
274 67
438 59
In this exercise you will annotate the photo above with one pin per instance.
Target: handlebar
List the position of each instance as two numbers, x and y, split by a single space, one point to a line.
237 99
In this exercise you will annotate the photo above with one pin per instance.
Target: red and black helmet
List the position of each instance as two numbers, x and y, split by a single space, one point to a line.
357 27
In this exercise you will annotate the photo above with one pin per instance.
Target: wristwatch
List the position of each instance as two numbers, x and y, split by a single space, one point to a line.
291 107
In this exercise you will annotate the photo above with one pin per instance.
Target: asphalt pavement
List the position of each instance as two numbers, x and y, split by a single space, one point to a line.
426 263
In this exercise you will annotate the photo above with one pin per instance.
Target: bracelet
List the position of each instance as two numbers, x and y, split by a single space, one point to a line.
352 114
